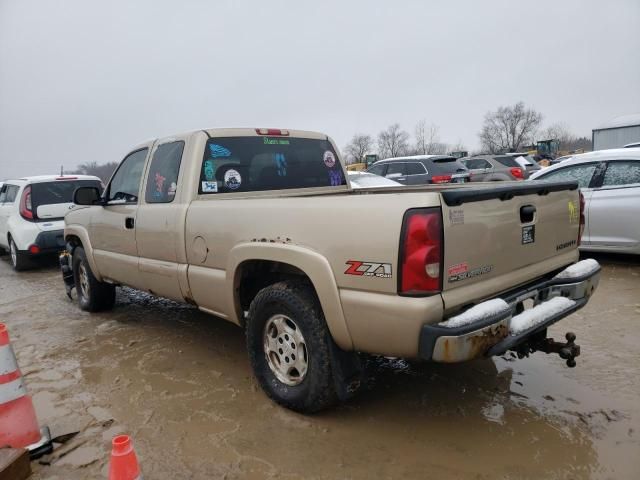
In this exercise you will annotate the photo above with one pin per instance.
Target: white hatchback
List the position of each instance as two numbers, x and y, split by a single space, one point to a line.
610 183
32 211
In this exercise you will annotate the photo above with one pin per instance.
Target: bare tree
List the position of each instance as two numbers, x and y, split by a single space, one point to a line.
458 147
393 142
559 132
508 128
103 171
427 139
359 145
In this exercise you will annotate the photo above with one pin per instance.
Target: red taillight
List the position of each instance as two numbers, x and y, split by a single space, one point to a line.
25 204
421 253
272 132
517 173
441 179
34 249
582 219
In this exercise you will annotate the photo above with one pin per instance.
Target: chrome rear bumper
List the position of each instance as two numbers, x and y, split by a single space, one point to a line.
497 325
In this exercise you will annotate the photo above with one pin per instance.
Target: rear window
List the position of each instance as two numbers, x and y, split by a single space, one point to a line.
60 191
508 161
250 164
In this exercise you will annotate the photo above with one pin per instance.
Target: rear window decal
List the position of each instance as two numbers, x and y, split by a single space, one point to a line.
209 170
275 141
335 177
232 179
329 159
209 187
218 151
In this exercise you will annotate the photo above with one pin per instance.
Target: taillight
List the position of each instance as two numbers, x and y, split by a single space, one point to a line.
441 179
582 219
272 132
517 173
26 210
421 253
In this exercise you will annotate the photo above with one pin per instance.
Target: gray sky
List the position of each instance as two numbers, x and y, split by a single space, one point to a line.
84 80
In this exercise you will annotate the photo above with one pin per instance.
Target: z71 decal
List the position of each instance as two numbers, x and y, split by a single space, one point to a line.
368 269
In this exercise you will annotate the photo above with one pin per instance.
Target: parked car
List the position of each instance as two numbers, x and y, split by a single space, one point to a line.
369 180
494 168
261 227
422 169
526 161
610 183
32 210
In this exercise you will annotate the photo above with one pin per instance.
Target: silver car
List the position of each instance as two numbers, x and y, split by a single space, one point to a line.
493 168
610 183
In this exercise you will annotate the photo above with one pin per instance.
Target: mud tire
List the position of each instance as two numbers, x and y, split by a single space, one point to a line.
100 296
19 261
298 301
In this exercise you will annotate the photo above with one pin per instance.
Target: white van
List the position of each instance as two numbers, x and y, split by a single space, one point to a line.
32 211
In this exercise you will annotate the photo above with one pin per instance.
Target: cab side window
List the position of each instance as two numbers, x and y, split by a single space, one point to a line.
162 181
125 184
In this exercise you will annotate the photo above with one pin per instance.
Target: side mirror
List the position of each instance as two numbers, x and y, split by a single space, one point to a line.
86 196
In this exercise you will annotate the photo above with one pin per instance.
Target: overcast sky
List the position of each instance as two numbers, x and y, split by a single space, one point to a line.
85 80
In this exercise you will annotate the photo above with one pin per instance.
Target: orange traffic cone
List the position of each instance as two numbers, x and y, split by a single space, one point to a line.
18 422
124 464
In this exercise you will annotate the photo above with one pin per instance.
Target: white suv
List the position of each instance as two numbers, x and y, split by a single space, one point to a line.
32 211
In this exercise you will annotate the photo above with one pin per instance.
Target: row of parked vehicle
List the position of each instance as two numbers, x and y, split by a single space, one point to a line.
32 209
608 179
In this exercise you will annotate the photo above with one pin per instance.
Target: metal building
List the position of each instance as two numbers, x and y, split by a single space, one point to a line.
617 133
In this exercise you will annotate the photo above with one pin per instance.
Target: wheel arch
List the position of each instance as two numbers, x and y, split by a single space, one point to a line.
281 261
77 236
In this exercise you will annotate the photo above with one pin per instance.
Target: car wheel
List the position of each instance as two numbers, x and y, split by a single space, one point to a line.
290 347
19 261
93 296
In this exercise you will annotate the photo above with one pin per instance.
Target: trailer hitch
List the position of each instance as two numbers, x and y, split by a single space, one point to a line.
567 351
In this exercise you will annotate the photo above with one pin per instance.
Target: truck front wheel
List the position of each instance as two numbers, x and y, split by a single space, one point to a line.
290 347
93 296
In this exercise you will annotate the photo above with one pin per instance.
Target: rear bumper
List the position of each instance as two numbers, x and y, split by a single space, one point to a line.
492 327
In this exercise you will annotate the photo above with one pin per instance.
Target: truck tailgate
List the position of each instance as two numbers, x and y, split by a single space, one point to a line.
494 235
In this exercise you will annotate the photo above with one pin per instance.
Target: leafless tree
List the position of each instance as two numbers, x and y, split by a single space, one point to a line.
559 132
359 145
103 171
508 128
427 139
393 142
457 147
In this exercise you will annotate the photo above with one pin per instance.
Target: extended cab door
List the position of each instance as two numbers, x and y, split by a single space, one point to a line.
113 233
160 222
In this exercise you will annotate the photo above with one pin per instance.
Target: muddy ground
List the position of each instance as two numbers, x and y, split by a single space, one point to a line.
179 382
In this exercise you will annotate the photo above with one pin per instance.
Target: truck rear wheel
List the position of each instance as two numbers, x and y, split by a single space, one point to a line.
290 347
93 296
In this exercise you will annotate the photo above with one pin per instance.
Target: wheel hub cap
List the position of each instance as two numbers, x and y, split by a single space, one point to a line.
84 280
285 349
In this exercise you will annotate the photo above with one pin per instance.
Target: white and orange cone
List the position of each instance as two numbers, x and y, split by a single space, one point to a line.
18 423
124 463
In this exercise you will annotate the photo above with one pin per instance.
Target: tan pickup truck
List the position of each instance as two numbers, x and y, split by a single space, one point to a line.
261 227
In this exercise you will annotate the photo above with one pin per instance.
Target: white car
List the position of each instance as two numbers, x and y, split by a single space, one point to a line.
32 211
369 180
610 183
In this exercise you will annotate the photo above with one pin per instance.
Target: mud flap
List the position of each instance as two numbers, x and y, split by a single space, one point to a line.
67 271
348 371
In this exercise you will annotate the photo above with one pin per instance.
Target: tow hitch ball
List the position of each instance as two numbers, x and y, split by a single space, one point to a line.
567 351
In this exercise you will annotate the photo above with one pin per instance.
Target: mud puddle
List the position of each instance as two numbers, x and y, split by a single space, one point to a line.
180 383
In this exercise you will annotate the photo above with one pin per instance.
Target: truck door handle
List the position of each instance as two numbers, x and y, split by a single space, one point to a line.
527 213
129 222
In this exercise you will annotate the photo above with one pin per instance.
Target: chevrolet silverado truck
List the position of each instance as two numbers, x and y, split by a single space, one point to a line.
261 227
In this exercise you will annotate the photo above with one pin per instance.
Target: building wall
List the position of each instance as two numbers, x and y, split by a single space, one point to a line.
615 137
